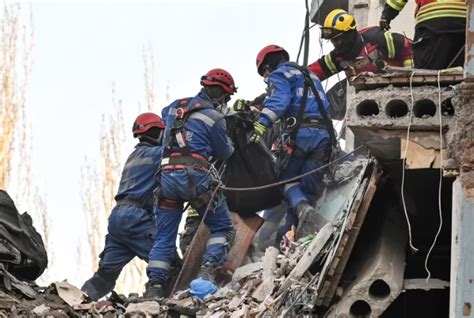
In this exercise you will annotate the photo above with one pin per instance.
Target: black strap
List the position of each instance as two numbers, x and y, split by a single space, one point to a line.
325 118
187 161
184 111
133 202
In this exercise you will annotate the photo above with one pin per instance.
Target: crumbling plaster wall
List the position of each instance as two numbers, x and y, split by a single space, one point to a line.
461 142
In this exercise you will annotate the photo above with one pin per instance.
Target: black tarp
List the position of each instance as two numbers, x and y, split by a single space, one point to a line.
17 229
250 165
337 98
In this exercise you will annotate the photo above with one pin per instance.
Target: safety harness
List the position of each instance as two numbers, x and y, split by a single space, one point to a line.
183 158
301 121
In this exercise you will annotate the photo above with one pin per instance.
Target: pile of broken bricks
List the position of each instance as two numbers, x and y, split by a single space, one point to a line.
279 283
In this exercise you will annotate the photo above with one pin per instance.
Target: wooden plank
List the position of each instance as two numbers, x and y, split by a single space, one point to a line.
192 258
360 214
246 228
245 231
314 248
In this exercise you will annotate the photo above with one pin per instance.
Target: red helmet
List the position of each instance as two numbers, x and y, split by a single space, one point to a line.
220 77
146 121
266 50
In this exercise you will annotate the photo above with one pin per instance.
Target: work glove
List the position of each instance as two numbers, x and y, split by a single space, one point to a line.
257 133
258 101
381 65
385 23
241 105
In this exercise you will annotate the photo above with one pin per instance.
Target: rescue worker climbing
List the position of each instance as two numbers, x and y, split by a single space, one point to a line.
131 227
196 133
440 31
305 142
367 50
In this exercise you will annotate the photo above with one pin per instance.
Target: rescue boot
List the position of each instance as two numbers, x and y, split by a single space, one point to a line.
207 271
309 220
205 283
154 291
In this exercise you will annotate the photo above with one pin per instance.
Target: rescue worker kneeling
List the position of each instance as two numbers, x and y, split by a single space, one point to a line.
196 132
355 51
131 228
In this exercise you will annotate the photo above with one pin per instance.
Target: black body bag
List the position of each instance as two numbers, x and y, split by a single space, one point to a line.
21 247
251 165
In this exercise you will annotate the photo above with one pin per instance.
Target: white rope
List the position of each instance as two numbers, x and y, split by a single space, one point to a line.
428 276
410 239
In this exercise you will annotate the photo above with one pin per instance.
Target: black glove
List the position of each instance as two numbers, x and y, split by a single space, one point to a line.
385 23
388 14
258 101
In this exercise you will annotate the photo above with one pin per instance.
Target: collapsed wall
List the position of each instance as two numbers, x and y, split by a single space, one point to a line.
379 117
461 145
380 274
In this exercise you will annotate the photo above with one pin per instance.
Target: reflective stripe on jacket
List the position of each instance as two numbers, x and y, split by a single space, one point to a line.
433 9
374 49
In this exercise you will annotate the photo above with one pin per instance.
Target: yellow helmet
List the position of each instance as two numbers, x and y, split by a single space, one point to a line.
336 22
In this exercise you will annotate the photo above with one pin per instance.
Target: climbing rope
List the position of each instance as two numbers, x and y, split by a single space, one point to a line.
402 188
271 185
428 273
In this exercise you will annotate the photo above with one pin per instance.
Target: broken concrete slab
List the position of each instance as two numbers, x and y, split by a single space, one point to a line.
146 308
309 255
70 293
268 277
40 310
379 276
246 271
7 301
421 283
242 312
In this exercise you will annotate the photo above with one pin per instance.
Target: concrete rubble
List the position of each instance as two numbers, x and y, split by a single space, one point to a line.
307 274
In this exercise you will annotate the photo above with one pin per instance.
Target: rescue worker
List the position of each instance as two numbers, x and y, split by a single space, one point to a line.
196 134
440 31
367 50
131 227
305 142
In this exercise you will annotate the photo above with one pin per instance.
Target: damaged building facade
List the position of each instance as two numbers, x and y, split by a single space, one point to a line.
400 242
426 119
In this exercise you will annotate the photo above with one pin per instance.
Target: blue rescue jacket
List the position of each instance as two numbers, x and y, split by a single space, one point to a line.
285 89
205 129
138 176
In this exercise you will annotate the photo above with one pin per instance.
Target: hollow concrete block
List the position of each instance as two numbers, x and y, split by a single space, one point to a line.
379 278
